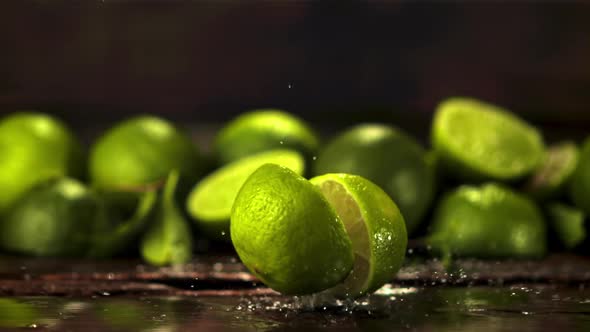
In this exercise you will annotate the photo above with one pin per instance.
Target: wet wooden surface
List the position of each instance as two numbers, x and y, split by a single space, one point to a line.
225 275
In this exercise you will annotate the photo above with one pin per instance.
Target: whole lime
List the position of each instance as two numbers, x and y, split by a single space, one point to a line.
55 218
140 151
262 130
488 221
477 141
388 157
35 147
287 234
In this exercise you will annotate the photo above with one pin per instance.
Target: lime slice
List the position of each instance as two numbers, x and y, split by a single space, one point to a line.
579 188
387 157
35 147
480 141
488 221
212 198
262 130
287 234
557 168
375 226
140 151
568 223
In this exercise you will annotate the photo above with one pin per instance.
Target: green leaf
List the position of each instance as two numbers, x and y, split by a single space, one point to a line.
168 239
109 239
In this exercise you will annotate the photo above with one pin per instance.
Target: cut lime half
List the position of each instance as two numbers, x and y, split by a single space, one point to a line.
212 198
375 226
479 141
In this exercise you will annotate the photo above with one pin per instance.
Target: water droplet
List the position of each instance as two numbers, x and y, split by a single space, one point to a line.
281 142
314 157
222 233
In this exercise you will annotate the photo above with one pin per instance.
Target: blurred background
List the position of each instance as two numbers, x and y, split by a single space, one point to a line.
331 62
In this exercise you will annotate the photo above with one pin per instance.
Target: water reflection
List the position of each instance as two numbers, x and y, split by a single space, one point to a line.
420 309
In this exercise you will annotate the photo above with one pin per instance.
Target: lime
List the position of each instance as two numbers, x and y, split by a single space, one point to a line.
35 147
262 130
560 163
488 221
212 198
287 234
375 226
141 151
387 157
480 141
17 313
579 188
55 218
568 223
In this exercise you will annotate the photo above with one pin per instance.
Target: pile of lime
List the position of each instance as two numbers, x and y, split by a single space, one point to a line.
304 217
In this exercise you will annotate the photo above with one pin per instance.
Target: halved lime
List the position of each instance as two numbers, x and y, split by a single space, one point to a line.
560 163
263 130
488 221
287 234
568 223
479 141
375 226
579 188
212 198
388 157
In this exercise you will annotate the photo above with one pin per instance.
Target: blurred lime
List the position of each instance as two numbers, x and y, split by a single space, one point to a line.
389 158
375 226
479 141
558 166
141 151
287 234
568 223
35 147
488 221
579 188
17 313
262 130
212 198
55 218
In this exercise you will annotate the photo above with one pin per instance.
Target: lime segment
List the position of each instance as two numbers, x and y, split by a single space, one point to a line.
375 226
480 141
212 198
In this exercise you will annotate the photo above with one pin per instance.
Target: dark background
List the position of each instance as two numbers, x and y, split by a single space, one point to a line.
331 62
